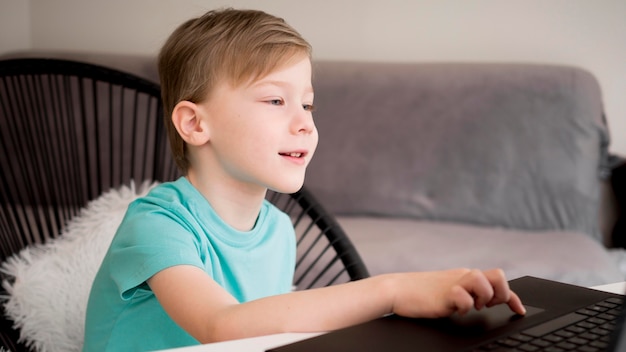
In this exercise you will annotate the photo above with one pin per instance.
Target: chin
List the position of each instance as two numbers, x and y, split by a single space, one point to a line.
287 188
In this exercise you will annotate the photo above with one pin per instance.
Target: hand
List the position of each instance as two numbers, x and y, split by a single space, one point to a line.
442 293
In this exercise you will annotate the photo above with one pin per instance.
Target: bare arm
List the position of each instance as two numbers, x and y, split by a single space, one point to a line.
209 313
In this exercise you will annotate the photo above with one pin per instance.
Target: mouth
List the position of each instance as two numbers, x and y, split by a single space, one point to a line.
293 154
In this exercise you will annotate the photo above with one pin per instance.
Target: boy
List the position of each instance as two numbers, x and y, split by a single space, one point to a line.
206 258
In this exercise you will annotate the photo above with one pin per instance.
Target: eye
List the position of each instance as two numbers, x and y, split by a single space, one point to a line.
309 107
277 102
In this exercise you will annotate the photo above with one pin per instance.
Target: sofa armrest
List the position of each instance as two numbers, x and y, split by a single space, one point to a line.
618 184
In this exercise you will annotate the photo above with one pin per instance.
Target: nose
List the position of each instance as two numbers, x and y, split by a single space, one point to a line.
302 122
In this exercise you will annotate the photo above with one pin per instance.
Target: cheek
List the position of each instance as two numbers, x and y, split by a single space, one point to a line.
257 138
236 128
314 141
232 137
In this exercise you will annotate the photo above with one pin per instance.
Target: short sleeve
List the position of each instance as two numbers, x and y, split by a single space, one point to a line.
151 238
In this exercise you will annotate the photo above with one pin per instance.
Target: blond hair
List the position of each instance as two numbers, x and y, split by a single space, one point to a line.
232 46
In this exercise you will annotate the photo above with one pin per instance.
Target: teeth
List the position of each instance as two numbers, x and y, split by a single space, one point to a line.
293 155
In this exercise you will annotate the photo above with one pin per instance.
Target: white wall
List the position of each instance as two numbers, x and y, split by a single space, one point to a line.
14 25
590 34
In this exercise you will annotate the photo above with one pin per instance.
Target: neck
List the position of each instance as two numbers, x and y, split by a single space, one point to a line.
237 204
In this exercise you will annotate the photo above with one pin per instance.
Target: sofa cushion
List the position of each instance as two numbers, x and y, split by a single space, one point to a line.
510 145
383 243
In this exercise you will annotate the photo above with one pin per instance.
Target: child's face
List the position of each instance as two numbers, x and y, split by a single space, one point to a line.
263 134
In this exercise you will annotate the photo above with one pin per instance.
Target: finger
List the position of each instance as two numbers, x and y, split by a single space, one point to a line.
478 285
501 290
503 293
516 305
461 300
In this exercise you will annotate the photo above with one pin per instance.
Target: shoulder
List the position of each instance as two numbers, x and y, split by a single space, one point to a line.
275 223
165 214
174 193
272 213
168 200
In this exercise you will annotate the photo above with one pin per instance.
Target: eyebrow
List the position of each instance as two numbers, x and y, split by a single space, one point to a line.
281 84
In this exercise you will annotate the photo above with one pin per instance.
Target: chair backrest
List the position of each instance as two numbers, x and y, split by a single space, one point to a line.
325 254
70 131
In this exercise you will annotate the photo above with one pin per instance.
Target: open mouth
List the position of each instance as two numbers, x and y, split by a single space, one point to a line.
293 155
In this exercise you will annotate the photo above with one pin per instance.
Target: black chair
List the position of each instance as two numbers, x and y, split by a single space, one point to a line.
325 254
70 131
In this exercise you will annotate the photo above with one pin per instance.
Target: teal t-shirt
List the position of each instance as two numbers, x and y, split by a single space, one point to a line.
175 225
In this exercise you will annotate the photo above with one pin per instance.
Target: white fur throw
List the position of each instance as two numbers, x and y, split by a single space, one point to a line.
48 298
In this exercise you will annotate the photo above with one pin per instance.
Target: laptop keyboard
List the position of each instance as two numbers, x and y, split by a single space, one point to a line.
588 330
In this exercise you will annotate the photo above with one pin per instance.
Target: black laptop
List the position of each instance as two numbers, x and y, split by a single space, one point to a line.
560 317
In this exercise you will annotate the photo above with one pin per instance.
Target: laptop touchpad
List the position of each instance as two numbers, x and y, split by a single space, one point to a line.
490 318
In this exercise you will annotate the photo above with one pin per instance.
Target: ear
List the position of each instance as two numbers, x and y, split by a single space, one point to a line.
187 118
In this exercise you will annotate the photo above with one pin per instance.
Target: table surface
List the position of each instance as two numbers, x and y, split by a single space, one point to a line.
262 343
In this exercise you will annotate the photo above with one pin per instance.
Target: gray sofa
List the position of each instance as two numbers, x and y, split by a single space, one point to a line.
431 166
438 165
